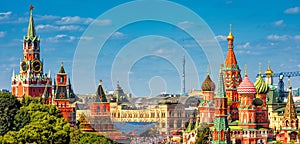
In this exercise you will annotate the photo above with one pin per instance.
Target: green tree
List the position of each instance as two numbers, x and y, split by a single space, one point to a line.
203 134
26 100
9 105
26 113
92 138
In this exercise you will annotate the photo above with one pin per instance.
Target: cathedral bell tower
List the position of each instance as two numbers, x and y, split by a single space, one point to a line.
232 77
31 81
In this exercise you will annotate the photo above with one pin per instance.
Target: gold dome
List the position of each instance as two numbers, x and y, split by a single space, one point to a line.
230 36
269 71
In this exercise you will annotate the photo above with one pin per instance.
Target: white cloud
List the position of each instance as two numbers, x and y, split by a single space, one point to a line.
118 35
4 15
46 17
278 37
246 45
2 34
279 23
160 51
57 28
185 24
86 38
74 20
293 10
221 38
297 37
61 38
104 22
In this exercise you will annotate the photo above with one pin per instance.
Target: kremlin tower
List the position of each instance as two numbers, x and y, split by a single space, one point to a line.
231 72
289 122
63 95
31 81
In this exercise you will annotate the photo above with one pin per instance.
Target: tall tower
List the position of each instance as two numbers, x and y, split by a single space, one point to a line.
63 93
290 120
221 131
100 110
183 76
31 81
232 76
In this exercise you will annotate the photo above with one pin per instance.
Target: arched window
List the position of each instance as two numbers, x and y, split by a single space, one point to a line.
61 79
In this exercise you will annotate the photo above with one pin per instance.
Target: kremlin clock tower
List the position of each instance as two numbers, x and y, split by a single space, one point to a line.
31 81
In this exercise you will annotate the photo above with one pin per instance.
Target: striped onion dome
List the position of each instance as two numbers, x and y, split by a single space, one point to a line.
246 87
261 86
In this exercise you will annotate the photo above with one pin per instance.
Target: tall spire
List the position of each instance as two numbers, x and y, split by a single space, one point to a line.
230 36
246 70
183 75
230 59
31 30
221 87
100 95
221 131
61 69
290 120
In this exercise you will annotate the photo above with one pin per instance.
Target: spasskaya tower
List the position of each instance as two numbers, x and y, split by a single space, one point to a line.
31 81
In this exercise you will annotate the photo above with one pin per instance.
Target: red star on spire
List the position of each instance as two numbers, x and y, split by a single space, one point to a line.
31 7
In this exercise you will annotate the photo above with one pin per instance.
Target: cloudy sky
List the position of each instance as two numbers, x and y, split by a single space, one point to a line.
145 55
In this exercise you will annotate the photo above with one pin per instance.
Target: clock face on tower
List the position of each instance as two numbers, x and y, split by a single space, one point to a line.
24 66
36 66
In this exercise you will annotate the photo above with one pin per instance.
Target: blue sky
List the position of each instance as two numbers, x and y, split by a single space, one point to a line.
263 30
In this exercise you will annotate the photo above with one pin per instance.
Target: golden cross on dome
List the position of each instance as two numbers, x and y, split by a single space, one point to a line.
260 71
230 28
245 68
31 7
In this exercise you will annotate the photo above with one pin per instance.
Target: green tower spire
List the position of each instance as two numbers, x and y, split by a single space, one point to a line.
31 30
221 131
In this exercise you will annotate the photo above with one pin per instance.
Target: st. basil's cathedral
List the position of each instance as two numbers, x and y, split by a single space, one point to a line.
238 112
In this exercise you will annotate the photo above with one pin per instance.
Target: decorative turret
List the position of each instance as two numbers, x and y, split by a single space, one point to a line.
231 62
100 95
269 75
221 131
208 84
206 107
246 87
261 88
290 120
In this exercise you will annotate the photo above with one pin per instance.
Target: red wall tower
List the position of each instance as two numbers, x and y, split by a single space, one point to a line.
62 94
31 81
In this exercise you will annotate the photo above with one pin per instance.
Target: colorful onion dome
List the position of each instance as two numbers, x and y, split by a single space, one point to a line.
246 87
269 71
257 102
261 86
208 84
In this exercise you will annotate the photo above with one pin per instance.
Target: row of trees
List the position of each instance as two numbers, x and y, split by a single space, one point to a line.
31 121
